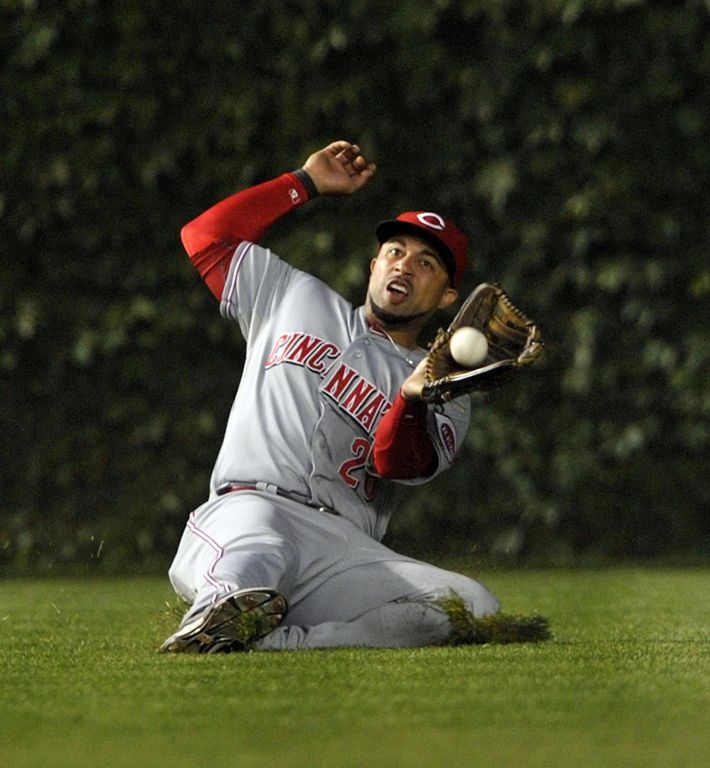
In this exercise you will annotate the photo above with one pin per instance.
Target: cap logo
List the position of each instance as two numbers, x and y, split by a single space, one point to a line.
432 220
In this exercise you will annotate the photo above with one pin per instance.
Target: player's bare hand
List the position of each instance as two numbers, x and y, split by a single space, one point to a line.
339 169
413 385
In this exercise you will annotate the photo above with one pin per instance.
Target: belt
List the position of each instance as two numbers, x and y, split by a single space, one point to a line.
226 488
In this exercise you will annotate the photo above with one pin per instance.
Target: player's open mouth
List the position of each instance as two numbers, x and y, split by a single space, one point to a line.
397 290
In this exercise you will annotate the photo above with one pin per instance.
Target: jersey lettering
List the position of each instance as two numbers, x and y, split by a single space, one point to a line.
339 381
279 350
357 396
350 391
326 351
301 349
367 416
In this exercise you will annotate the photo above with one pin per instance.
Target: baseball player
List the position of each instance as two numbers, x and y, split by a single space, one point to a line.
326 426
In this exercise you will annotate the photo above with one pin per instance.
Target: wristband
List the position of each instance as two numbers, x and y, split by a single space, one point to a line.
304 177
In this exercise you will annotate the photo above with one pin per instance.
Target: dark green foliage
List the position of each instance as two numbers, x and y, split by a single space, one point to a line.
568 137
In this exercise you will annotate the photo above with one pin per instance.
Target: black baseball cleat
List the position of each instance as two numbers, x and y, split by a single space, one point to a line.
230 624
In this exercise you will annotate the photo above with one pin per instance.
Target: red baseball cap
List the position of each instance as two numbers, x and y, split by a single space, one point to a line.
444 235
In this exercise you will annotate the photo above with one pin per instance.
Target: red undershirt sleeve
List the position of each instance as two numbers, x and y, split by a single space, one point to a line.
402 449
211 238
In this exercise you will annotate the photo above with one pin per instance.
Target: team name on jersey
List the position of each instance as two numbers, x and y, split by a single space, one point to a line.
303 349
355 395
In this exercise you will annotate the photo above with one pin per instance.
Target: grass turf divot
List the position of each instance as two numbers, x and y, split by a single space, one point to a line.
501 628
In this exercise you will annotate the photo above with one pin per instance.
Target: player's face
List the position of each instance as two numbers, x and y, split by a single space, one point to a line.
408 283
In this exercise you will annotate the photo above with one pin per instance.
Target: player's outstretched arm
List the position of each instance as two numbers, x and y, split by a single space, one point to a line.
211 238
339 169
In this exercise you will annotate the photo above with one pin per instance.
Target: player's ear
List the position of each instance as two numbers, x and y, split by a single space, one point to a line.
448 297
372 263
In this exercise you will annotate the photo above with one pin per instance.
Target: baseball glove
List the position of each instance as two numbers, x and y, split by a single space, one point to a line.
514 342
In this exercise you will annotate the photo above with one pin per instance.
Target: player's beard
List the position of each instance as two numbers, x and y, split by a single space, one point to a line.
390 319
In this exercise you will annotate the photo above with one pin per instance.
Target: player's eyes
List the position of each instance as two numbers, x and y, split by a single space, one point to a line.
425 261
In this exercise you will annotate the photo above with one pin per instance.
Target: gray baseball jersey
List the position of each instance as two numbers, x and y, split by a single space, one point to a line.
316 381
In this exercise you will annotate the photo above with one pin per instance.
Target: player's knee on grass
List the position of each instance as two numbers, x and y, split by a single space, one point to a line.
474 597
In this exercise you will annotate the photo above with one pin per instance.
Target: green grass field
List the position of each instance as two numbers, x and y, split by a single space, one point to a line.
625 682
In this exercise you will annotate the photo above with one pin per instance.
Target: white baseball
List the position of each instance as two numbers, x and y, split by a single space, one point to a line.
468 347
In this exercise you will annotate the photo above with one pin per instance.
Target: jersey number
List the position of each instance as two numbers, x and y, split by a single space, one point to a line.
348 469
